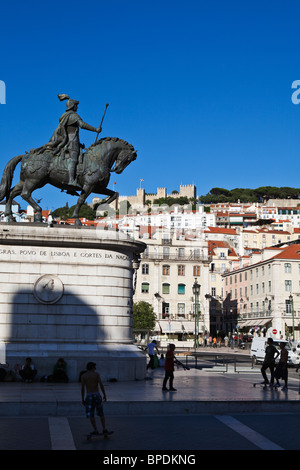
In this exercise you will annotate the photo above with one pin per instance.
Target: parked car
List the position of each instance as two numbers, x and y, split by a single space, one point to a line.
247 338
258 348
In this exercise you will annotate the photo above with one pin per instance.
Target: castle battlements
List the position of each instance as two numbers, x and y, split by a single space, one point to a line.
139 200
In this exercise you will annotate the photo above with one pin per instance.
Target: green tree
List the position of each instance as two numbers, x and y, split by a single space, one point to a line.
171 201
222 195
218 191
143 316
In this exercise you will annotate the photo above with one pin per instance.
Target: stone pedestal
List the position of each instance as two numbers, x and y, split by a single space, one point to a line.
67 292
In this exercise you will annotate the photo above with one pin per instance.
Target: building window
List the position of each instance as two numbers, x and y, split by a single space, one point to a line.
288 306
166 288
196 271
165 309
288 286
213 291
287 267
181 309
166 270
181 288
145 287
145 268
181 270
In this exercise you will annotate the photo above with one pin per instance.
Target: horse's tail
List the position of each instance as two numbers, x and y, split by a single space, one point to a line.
7 176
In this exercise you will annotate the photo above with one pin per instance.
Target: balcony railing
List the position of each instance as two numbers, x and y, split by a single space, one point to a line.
176 257
260 314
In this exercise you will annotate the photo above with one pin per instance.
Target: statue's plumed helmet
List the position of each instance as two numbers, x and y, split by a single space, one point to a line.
70 103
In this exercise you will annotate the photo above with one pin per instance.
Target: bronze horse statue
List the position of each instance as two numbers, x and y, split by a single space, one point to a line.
107 155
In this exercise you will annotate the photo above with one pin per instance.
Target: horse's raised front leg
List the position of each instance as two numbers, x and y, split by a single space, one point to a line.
112 196
15 191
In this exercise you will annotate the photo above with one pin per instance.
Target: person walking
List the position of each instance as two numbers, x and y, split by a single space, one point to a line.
281 371
170 360
151 346
269 362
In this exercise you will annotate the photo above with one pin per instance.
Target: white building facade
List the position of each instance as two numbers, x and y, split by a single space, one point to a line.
265 295
165 279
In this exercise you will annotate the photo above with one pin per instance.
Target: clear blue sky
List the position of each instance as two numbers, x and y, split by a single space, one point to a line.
201 88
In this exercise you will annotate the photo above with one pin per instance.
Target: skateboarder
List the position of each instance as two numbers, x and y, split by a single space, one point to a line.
269 362
90 382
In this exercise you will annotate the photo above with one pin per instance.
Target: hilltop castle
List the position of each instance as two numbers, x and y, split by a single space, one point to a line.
142 198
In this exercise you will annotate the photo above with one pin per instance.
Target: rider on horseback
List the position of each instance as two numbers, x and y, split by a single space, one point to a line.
66 135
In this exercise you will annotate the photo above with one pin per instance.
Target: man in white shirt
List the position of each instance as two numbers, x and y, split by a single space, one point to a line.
151 346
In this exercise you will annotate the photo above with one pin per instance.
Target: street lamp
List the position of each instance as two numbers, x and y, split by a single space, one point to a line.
196 292
292 307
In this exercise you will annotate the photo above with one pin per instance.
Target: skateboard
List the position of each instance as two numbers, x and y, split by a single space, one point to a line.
265 386
99 434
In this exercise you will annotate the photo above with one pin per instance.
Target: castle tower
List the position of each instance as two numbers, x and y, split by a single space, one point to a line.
161 192
188 190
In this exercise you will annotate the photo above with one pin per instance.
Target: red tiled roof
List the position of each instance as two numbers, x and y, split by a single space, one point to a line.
290 252
230 231
86 222
212 244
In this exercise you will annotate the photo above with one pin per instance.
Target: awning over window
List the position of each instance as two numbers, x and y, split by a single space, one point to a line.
257 322
175 326
289 322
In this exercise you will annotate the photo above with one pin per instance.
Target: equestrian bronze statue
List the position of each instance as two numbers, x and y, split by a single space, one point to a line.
63 163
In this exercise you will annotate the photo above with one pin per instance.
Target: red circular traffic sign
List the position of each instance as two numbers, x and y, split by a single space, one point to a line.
274 332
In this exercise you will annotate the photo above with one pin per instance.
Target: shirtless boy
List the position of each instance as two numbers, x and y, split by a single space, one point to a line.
90 382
